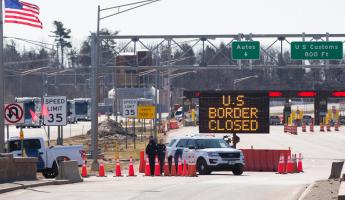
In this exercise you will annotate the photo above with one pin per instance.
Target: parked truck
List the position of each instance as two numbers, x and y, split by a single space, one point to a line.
48 157
82 108
71 118
32 105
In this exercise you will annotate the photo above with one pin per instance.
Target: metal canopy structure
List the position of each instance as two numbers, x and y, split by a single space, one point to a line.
167 44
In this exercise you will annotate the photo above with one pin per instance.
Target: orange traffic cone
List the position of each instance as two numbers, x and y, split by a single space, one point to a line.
101 170
179 167
322 127
142 162
84 170
157 167
304 127
185 169
329 127
117 169
192 170
173 168
281 164
311 126
131 168
289 165
147 168
166 168
192 167
299 164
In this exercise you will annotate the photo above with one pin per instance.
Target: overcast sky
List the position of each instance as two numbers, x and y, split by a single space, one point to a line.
189 17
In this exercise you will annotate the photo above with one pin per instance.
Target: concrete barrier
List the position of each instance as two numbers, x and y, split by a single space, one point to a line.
17 169
68 170
336 170
341 193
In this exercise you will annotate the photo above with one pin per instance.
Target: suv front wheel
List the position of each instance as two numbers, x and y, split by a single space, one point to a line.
203 169
237 170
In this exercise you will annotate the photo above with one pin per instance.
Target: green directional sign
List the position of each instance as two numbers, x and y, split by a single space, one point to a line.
317 50
245 50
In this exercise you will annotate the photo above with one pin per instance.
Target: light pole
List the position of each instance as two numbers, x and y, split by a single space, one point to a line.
96 38
236 81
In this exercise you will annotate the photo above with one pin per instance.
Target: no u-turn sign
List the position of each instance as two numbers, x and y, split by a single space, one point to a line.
14 113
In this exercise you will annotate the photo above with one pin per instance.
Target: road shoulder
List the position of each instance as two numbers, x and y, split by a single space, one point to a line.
8 187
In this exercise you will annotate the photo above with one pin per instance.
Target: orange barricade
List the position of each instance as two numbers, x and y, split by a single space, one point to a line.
263 160
174 125
270 162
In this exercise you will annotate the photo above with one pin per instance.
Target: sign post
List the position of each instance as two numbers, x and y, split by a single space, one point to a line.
130 108
57 114
146 112
245 50
57 111
21 137
14 113
234 112
332 50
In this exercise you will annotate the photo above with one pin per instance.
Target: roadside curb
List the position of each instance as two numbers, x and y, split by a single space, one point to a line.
31 184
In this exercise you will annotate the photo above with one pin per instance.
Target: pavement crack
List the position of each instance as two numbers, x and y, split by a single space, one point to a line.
34 190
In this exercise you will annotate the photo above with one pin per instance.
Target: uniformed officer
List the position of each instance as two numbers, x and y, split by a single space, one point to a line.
161 149
151 152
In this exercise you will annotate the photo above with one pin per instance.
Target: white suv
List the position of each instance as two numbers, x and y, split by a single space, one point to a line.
210 154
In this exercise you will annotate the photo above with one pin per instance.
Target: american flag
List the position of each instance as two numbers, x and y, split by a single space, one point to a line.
20 12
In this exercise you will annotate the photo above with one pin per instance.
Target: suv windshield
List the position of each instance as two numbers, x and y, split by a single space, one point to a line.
211 143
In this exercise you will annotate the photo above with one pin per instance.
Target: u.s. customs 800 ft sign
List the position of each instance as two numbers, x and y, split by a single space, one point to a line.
233 112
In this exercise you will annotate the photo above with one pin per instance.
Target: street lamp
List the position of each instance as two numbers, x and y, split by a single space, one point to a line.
95 40
236 81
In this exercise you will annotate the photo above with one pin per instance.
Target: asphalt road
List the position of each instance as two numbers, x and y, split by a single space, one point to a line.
319 150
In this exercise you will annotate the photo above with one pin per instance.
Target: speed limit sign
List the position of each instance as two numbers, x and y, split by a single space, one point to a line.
129 108
54 111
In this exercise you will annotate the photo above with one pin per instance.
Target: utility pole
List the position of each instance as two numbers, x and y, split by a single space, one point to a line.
94 109
95 60
2 82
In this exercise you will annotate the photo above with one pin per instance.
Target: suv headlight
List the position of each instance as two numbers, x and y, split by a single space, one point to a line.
212 154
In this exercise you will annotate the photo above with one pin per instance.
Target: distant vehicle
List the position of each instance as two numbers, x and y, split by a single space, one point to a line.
342 120
48 157
104 109
179 114
307 119
71 118
32 105
82 109
211 154
275 120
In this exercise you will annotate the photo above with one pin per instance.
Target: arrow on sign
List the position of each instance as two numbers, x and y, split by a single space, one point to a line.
11 113
245 54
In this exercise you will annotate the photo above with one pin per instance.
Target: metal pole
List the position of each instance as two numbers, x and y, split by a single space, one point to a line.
94 115
2 82
58 141
48 136
22 142
61 135
156 96
8 137
134 135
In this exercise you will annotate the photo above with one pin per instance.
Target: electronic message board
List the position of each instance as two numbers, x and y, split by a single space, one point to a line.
234 112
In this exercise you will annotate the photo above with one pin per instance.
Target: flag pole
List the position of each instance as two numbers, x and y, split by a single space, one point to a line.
2 82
